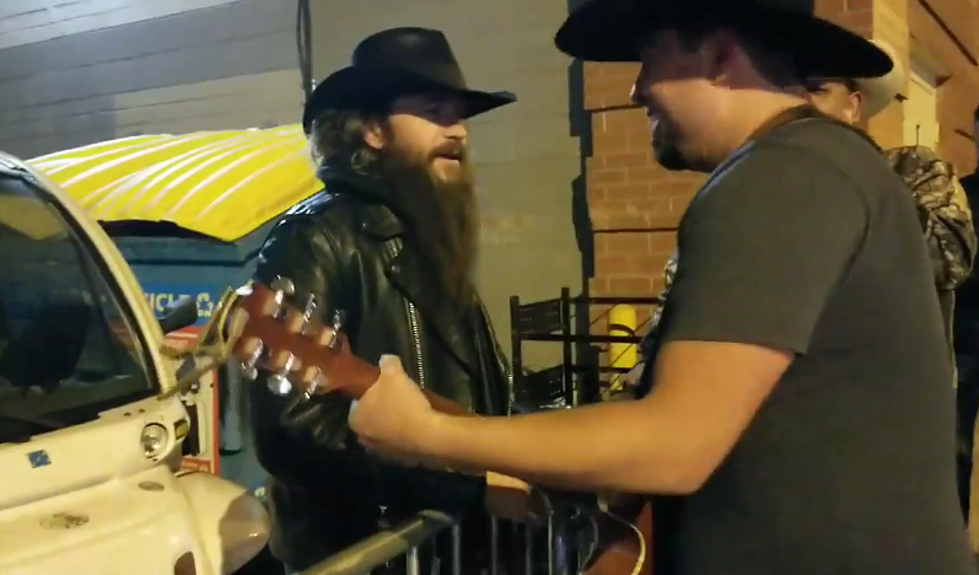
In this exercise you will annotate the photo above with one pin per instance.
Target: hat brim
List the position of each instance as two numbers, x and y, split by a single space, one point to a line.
611 31
357 87
879 92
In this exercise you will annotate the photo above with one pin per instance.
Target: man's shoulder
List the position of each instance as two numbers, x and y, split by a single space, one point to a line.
919 165
327 211
932 181
827 141
325 204
836 153
843 156
814 165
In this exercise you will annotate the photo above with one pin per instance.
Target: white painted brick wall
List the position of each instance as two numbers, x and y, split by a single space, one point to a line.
28 21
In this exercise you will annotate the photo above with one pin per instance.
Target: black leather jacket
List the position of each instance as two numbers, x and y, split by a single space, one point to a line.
347 248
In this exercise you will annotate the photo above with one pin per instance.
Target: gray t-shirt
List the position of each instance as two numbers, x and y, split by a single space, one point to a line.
807 241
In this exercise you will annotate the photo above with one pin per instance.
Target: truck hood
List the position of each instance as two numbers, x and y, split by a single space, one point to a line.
140 525
85 455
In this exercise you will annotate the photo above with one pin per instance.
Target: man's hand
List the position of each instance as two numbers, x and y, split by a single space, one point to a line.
507 497
393 416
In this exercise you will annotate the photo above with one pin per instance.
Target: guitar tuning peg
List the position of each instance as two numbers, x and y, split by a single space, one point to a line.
308 312
336 328
282 287
319 380
279 383
249 370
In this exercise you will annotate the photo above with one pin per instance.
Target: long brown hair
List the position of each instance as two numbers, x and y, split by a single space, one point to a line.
337 136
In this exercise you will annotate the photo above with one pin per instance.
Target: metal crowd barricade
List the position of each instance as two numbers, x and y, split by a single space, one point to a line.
408 537
549 320
388 544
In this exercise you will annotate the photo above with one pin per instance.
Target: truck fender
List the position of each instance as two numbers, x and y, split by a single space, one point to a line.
233 523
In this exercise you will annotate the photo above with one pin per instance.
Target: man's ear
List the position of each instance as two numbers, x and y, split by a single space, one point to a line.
375 135
854 110
720 50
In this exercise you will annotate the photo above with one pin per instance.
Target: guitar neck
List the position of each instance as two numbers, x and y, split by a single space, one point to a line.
359 376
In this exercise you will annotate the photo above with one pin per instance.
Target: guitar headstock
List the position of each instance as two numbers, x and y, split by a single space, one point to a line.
273 335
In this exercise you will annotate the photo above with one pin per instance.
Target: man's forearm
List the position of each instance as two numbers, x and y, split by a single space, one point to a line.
615 446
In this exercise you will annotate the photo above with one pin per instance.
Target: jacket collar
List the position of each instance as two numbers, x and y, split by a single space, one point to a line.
378 218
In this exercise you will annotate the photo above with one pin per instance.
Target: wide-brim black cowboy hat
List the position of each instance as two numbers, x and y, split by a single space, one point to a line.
398 62
612 30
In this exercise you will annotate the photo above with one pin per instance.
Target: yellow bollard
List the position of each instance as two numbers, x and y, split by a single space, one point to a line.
622 322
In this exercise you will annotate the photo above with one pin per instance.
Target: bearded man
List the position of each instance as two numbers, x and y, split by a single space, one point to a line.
391 242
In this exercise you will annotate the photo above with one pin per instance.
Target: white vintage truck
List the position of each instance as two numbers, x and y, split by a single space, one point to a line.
89 451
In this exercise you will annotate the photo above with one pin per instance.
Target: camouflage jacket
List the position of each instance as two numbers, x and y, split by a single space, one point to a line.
943 210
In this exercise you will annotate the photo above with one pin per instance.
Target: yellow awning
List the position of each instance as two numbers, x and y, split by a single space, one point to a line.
223 184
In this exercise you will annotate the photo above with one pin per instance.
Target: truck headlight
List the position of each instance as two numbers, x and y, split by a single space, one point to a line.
154 440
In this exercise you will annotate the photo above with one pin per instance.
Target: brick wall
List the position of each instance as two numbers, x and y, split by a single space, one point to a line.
635 205
941 38
944 36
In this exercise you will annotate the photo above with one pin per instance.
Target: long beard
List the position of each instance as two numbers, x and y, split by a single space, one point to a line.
442 217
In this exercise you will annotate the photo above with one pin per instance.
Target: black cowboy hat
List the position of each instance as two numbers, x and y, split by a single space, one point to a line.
396 62
610 31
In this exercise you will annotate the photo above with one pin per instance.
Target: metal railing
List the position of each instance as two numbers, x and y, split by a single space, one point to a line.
408 537
388 544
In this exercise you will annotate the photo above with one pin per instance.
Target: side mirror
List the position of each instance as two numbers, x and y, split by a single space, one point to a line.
180 314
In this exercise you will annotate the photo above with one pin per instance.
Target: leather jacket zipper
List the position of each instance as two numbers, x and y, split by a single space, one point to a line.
394 247
416 336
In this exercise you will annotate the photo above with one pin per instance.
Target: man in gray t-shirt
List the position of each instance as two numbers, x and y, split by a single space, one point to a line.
851 296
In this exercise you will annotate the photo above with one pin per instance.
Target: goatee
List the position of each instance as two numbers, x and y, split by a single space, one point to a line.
665 150
442 216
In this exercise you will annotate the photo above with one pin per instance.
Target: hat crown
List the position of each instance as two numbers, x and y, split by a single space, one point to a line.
613 31
420 50
630 8
396 62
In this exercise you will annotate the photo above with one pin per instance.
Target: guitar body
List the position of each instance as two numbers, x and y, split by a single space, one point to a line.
619 547
606 539
624 537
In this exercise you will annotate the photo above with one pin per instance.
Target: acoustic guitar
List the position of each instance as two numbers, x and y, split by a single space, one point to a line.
264 331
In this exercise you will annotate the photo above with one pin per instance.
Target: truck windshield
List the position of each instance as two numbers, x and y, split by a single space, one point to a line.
68 346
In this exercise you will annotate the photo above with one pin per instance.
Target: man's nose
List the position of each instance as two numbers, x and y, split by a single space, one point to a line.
456 131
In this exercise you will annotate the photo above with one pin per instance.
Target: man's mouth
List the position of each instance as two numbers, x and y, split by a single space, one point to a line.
450 151
450 156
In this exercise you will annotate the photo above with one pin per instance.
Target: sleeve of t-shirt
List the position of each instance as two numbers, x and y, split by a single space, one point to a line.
762 248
